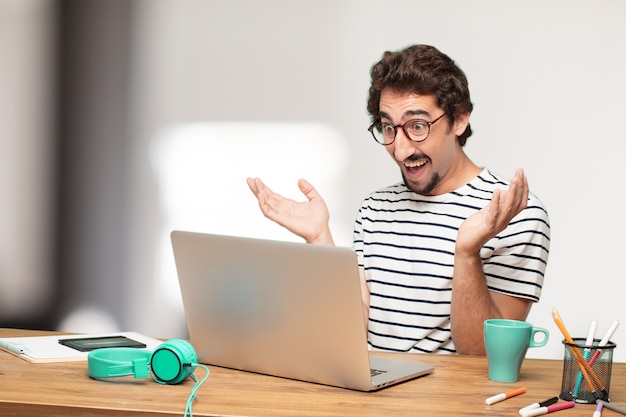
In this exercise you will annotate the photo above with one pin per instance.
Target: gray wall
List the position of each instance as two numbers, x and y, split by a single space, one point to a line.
27 202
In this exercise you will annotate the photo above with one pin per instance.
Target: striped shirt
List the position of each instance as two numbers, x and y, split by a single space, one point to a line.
405 244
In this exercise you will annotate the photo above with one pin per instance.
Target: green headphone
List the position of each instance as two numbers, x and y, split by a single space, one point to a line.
170 363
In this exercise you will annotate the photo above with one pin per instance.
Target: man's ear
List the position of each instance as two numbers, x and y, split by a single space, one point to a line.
460 123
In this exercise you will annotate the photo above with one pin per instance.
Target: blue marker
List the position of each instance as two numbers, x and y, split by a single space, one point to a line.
589 342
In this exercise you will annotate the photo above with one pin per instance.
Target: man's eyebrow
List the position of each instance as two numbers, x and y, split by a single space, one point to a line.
417 112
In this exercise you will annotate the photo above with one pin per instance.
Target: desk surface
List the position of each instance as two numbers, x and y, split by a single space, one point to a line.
458 386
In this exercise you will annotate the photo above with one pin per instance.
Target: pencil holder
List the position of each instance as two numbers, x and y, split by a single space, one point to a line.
586 384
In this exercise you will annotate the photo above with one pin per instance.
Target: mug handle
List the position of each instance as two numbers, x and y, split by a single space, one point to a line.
542 342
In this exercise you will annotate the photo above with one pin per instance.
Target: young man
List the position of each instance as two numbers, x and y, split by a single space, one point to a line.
450 246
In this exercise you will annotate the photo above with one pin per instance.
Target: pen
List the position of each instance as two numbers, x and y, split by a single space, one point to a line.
582 363
589 342
598 411
545 410
604 341
610 406
545 403
504 396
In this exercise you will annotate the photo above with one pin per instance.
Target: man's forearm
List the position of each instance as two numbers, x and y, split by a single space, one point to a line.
471 305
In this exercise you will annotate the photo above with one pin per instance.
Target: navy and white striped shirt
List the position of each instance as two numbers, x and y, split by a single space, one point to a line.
405 243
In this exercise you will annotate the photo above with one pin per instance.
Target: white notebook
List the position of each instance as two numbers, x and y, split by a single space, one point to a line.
42 349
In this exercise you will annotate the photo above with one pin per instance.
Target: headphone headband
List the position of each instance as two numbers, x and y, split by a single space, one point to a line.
170 363
114 362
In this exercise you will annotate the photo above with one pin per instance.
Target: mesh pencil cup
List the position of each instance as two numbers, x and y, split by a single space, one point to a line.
576 384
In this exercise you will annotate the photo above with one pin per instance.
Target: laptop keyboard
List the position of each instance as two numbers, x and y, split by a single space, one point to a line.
375 372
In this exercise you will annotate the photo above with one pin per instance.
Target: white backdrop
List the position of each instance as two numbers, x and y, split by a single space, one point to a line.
547 81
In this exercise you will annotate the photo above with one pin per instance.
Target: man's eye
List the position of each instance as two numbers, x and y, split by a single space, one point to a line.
388 129
418 126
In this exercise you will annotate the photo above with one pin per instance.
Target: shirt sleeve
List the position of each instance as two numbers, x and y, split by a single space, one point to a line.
515 261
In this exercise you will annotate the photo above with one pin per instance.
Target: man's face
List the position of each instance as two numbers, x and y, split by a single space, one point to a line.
428 167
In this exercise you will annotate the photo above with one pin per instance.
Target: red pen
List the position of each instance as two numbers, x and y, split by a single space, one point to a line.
605 340
550 409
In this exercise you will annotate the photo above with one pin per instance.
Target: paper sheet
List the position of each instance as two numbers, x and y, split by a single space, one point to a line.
41 349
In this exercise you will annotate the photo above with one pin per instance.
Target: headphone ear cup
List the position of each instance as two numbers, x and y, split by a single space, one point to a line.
173 361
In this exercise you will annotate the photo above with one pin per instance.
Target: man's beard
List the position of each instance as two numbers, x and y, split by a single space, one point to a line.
427 190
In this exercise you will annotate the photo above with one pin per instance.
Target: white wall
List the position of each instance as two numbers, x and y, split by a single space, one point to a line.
547 80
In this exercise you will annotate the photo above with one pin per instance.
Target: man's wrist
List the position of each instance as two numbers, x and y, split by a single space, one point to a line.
467 256
324 238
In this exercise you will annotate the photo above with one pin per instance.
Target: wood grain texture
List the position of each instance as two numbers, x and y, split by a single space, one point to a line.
458 387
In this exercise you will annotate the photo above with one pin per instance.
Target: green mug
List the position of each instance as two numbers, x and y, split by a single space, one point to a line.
506 343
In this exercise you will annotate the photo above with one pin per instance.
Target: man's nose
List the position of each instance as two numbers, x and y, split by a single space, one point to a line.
403 146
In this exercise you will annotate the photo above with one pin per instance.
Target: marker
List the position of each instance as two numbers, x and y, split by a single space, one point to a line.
598 411
545 403
612 407
504 396
590 336
604 341
545 410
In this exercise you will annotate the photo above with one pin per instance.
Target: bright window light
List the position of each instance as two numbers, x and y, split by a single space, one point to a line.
201 172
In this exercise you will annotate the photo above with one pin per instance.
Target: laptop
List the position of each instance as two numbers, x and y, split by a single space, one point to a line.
285 309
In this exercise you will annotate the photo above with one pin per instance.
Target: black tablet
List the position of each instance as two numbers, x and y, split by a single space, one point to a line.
87 344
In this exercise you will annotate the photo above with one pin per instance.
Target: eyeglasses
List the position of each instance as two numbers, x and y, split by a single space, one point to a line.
416 130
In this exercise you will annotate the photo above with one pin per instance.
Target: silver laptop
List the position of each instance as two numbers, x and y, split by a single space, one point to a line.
278 308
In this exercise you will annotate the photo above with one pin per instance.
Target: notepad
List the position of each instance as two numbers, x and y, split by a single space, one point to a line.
44 349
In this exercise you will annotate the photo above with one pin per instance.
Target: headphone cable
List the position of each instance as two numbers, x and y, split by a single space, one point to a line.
194 390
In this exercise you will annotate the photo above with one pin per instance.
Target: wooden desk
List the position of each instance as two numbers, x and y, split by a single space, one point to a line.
458 387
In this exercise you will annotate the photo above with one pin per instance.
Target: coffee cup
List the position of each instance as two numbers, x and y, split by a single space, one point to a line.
506 343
